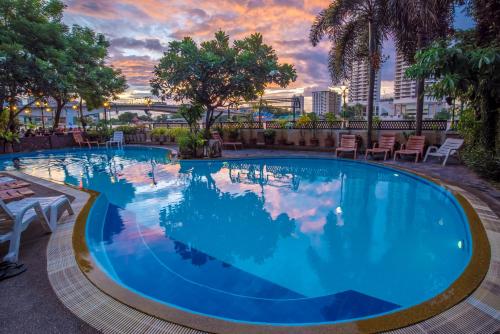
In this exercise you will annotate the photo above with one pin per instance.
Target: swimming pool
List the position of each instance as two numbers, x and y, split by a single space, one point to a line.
272 241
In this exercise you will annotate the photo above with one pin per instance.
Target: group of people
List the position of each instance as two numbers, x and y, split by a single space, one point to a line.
48 131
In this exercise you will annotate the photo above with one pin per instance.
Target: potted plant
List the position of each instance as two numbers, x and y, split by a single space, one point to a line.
191 145
231 133
330 118
302 124
283 125
314 123
269 136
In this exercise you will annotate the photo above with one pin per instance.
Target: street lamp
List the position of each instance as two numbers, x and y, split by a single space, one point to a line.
343 89
106 106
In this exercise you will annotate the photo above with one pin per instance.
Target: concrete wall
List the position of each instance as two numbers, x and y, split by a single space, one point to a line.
30 144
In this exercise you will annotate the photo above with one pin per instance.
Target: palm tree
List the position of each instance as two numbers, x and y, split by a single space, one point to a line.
356 29
415 25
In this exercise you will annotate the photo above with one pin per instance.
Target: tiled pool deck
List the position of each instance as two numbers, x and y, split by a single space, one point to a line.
478 313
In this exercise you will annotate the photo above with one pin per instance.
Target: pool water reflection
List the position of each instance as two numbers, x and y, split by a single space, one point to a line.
286 241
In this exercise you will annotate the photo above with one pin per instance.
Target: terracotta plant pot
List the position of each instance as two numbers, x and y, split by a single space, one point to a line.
314 142
329 142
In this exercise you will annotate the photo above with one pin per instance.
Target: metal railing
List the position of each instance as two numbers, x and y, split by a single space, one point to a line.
402 125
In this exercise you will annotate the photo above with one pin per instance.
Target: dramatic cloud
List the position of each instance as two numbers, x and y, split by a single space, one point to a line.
140 31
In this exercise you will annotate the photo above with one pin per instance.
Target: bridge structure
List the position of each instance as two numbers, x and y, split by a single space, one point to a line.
43 113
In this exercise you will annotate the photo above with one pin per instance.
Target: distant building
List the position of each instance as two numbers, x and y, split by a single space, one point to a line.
386 108
358 86
326 101
405 96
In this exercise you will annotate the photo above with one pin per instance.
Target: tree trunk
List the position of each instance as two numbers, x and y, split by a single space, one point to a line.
208 121
11 124
82 118
420 86
57 115
371 81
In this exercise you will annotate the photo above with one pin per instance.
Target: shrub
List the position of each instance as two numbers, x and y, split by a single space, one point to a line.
189 143
269 136
177 132
230 133
158 132
127 129
485 161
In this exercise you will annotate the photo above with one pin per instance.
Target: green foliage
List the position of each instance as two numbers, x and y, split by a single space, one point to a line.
158 132
303 120
177 132
127 129
330 117
283 123
41 57
231 133
216 74
192 114
189 143
127 117
9 136
443 115
470 72
354 112
475 154
347 25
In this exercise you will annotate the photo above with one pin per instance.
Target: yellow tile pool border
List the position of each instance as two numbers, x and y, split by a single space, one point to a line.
464 286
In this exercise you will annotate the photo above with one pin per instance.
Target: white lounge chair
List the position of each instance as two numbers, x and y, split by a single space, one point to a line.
25 211
117 139
449 148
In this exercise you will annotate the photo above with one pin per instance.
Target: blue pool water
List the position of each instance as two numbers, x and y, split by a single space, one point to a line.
282 241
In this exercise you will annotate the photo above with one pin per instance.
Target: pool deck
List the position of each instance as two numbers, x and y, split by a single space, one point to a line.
41 299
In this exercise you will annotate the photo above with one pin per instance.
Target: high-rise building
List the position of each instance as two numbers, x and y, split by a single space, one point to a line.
326 101
358 86
405 96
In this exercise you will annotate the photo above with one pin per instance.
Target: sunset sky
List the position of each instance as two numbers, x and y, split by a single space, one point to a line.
139 30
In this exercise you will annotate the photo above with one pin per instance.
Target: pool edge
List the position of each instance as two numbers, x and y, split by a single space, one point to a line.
460 289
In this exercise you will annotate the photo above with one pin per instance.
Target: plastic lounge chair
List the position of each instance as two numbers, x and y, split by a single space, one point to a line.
19 218
385 145
347 144
414 146
117 139
449 148
51 205
77 136
216 136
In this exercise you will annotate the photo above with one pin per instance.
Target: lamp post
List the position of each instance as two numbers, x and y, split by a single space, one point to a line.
106 106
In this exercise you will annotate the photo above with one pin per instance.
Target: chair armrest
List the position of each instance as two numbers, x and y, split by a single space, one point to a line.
33 205
431 148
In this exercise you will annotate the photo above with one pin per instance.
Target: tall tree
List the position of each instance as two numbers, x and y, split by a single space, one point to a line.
214 74
416 24
356 29
30 40
82 71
